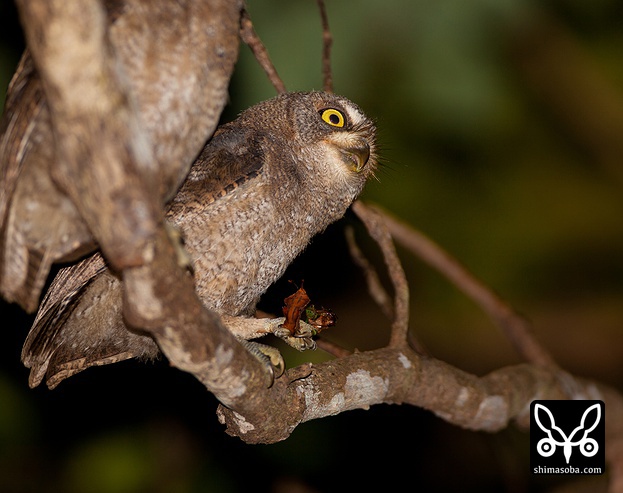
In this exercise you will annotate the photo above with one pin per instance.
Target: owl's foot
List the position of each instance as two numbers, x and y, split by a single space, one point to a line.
269 356
302 338
300 343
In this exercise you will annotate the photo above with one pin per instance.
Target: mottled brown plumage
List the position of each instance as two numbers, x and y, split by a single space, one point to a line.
262 187
176 59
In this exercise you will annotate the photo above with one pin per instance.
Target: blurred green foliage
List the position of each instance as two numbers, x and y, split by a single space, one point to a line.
486 148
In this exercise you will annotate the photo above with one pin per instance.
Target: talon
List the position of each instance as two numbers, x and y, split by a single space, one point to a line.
277 364
310 344
281 332
269 356
300 343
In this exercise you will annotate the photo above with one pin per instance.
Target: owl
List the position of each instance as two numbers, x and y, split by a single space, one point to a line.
177 59
262 187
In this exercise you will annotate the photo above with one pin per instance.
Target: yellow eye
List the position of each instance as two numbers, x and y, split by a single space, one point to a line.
333 117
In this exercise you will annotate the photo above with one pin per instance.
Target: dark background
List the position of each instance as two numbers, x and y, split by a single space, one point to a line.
499 122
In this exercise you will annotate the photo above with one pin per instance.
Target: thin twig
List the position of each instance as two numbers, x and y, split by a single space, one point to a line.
250 37
375 288
375 225
327 41
514 326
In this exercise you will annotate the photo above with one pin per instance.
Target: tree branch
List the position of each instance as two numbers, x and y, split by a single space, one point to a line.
513 325
375 289
379 232
327 41
253 41
400 376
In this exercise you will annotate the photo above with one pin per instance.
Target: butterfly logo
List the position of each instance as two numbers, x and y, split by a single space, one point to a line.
557 438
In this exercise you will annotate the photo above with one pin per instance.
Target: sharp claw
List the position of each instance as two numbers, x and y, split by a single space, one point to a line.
278 367
300 343
282 333
269 356
303 331
310 343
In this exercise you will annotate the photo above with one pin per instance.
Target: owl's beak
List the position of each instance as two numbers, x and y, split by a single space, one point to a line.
357 155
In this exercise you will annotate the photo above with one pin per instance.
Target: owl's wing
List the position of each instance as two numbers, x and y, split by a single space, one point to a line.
232 157
80 325
26 190
23 102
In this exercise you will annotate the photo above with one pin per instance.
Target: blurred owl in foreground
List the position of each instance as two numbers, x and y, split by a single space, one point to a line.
175 60
260 190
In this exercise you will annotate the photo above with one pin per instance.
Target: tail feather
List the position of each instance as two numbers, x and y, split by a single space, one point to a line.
80 325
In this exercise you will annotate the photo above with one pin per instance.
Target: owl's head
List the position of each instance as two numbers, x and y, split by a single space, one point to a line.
326 134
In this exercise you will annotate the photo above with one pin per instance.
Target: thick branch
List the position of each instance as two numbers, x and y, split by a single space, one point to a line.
400 376
161 300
